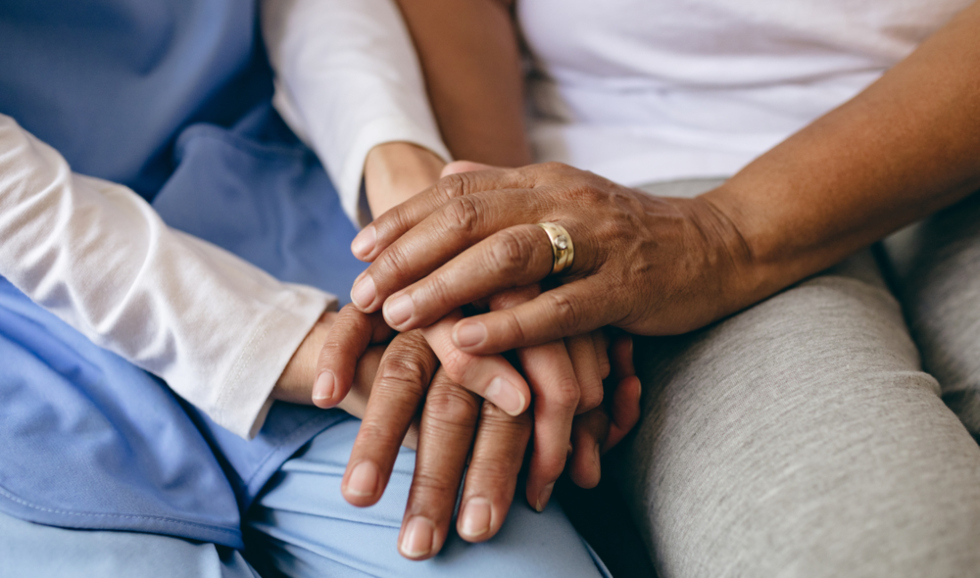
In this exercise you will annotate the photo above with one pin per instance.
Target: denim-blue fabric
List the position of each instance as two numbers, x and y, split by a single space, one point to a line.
172 99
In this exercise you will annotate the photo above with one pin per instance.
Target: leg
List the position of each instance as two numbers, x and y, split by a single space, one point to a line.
935 268
301 526
801 438
28 549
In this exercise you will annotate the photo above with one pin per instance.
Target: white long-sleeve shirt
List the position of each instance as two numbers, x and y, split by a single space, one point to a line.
218 330
347 80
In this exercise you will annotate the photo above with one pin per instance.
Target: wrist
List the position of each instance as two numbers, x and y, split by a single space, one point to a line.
743 278
396 171
770 249
296 381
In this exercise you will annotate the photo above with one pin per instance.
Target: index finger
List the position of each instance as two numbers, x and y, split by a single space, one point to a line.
489 376
387 228
403 378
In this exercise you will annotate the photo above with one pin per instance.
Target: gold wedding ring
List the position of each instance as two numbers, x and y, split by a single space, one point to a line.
561 247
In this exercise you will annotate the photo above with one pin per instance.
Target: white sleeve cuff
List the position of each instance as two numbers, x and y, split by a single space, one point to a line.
347 80
244 393
380 131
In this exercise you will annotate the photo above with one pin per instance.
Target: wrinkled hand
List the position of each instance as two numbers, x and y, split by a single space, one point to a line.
649 265
566 377
451 417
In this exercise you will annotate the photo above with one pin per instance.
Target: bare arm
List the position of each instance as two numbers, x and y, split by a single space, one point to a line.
472 66
907 146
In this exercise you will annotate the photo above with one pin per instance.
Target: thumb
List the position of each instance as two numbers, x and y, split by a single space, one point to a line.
463 167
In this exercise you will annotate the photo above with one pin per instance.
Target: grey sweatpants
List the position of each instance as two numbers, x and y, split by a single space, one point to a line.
802 437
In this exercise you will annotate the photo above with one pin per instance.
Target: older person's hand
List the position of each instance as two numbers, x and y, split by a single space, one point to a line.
565 376
646 264
451 418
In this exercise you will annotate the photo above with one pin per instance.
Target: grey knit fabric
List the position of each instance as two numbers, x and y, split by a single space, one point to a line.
801 437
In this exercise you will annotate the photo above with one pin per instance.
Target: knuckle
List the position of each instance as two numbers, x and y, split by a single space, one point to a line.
506 428
514 325
493 474
554 167
593 195
456 364
491 415
591 398
394 220
510 252
451 406
406 371
373 432
461 215
428 482
436 288
394 264
568 313
565 393
452 186
329 352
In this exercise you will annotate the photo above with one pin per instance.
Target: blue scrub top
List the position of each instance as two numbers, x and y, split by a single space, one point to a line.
172 99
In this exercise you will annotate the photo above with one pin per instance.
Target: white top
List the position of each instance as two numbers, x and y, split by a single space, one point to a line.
218 330
634 90
642 91
685 88
347 80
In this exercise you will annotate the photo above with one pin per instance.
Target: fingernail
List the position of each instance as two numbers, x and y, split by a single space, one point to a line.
399 310
418 537
363 480
571 449
543 497
470 334
364 292
506 396
364 242
476 518
323 389
597 457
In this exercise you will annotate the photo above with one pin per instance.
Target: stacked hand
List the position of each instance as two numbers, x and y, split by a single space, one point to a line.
649 265
561 380
455 422
643 264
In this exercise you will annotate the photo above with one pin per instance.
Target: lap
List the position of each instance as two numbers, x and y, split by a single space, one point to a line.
301 526
28 549
935 268
801 437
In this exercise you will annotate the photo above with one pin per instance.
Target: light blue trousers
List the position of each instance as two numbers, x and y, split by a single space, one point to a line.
301 526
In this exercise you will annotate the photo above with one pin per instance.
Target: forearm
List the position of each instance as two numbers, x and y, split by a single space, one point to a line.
907 146
395 172
347 81
472 65
217 329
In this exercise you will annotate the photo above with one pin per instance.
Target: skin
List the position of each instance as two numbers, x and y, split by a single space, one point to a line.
455 424
474 76
904 148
